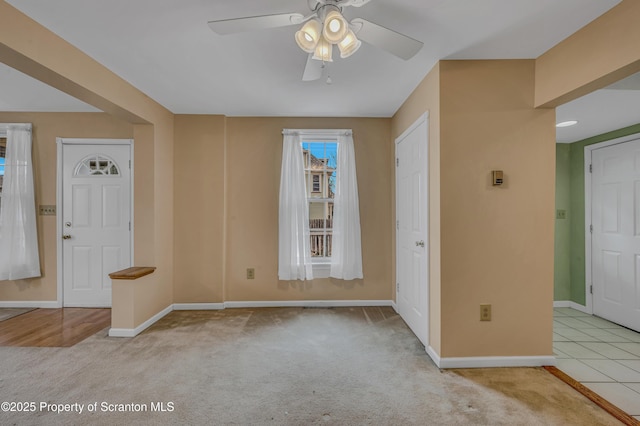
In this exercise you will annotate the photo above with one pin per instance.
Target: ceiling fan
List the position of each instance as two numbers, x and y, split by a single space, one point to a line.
323 29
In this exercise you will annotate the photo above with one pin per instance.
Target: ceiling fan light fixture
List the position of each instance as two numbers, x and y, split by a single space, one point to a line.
309 35
335 27
324 51
349 45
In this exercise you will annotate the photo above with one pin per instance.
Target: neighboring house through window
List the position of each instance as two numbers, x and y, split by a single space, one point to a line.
320 166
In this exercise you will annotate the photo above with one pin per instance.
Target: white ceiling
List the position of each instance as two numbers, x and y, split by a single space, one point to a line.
602 111
166 49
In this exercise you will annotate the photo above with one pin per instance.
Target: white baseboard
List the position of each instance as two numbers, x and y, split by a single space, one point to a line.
394 306
132 332
54 304
433 355
122 332
198 306
307 303
89 305
494 361
570 304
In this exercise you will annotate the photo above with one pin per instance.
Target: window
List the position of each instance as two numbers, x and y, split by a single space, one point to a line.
314 239
97 165
320 166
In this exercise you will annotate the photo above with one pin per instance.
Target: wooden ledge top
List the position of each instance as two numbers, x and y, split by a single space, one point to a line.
132 273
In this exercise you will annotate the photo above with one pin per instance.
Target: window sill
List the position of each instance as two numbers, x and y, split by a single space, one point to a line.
321 269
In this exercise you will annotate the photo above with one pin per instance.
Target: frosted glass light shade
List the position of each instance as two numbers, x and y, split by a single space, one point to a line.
335 27
309 35
324 51
349 45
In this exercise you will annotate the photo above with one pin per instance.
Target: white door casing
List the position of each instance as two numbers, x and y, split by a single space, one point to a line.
615 217
94 218
412 242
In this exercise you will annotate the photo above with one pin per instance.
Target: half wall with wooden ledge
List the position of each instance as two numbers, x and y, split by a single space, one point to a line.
129 287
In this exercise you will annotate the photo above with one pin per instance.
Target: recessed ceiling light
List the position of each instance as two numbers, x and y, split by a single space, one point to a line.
567 123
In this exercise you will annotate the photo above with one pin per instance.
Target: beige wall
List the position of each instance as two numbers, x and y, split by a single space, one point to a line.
254 154
46 127
154 217
199 161
426 98
238 222
599 54
497 242
199 208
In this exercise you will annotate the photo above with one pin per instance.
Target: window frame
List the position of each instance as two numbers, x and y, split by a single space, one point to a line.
321 265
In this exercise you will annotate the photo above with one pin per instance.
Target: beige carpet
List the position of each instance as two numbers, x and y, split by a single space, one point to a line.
347 366
6 313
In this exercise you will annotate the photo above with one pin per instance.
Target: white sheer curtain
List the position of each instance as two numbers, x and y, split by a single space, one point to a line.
294 257
346 253
19 257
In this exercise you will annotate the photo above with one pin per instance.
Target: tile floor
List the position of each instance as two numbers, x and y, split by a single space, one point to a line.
601 355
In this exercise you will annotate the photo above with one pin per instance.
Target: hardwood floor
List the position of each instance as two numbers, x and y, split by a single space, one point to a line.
53 327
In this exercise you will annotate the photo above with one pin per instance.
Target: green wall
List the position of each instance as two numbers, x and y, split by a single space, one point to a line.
562 270
573 248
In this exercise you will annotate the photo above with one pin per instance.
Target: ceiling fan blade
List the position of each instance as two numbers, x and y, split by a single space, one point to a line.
253 23
393 42
313 69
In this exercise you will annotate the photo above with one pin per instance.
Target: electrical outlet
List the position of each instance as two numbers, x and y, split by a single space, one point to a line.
47 210
485 312
251 273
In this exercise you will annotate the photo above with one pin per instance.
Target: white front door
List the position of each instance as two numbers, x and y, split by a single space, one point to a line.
616 233
96 218
412 249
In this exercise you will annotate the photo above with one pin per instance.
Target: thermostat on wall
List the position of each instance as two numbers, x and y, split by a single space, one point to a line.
497 177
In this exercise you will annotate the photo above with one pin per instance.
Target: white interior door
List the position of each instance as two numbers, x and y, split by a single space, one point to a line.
616 233
412 249
96 219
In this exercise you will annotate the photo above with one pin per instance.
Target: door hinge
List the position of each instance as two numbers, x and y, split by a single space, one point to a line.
591 228
397 224
591 289
397 287
397 162
590 168
129 164
129 226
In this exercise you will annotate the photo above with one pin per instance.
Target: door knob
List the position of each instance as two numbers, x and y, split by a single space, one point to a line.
420 243
66 237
